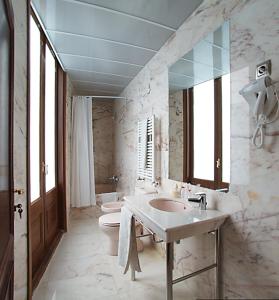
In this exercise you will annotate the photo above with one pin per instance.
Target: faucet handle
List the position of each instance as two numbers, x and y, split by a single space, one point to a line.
197 200
200 193
201 200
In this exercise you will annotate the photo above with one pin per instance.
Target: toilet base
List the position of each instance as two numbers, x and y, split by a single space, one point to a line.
112 232
112 247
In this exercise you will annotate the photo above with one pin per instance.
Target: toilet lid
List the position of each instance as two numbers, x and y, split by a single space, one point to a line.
112 219
111 207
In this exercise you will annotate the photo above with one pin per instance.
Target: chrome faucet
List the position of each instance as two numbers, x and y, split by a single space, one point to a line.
155 183
114 178
201 199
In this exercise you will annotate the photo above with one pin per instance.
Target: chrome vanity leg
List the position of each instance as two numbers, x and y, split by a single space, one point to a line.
169 261
133 274
217 260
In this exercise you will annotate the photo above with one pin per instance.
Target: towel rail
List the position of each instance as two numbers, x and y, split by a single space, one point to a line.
169 262
151 233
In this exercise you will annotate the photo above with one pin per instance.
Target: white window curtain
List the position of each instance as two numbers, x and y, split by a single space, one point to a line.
82 162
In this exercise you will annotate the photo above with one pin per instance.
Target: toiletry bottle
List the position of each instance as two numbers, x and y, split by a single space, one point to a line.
175 192
182 192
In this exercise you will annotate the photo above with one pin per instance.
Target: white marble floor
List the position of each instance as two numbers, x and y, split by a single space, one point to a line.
81 269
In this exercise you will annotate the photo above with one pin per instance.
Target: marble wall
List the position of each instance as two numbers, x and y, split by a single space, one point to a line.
103 139
250 236
70 92
20 143
20 155
176 146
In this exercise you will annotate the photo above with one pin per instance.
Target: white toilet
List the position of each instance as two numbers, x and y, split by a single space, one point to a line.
110 223
111 207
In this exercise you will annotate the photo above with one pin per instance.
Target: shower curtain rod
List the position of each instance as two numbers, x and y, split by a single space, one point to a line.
107 97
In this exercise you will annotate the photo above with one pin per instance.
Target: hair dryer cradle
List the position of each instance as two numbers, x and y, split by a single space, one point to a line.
261 91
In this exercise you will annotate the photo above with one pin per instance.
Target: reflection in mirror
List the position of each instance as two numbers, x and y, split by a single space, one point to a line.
199 113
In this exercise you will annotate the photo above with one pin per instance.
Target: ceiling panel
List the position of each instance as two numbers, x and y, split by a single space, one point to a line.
194 69
93 76
170 13
103 44
210 58
81 45
93 92
220 37
176 80
90 93
206 53
97 86
94 22
85 63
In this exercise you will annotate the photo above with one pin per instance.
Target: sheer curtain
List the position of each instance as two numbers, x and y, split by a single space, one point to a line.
82 162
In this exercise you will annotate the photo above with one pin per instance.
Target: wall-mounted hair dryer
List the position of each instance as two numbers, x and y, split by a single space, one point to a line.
262 92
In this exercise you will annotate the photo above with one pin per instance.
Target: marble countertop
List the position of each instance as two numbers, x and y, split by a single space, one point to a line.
172 226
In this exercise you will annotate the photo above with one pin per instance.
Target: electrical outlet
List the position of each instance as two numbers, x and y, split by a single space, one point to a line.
263 69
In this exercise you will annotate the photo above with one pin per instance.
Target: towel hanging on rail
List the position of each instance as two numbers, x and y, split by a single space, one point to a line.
127 247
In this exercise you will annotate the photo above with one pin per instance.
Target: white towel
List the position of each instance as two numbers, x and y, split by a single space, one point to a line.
127 247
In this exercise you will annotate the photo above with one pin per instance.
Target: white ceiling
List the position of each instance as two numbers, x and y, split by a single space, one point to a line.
103 44
209 59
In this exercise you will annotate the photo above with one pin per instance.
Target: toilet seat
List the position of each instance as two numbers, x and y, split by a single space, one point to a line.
110 220
112 207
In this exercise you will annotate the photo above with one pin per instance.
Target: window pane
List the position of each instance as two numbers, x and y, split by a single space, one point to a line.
204 130
50 112
35 46
226 128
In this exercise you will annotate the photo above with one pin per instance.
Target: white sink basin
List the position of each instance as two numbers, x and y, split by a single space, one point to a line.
179 222
167 205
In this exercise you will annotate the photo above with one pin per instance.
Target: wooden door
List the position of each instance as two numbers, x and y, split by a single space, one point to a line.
46 142
6 150
44 206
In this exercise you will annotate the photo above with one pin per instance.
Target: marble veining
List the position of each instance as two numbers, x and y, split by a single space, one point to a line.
80 269
20 146
176 135
103 139
70 91
250 236
20 140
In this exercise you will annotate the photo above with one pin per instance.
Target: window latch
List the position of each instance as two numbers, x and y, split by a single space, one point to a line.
44 168
218 163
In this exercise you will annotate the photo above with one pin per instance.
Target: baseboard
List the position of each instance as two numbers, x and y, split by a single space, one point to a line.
41 270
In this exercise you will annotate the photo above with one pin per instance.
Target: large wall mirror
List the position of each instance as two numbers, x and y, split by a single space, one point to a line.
199 113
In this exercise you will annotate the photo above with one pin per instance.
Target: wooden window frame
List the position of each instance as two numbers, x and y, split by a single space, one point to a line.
60 115
60 110
188 130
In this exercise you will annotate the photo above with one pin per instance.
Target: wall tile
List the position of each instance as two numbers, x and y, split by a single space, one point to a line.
250 236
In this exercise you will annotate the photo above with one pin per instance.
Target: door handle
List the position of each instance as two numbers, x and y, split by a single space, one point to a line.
19 191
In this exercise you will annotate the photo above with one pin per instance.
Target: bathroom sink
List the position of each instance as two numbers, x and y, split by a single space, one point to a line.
179 220
167 205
